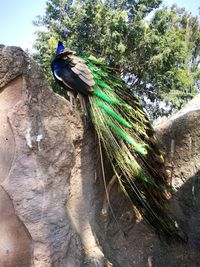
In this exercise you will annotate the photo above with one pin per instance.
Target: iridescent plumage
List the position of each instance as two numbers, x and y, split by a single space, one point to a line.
125 132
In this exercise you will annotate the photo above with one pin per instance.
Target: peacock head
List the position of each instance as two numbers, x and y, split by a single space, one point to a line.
60 47
62 51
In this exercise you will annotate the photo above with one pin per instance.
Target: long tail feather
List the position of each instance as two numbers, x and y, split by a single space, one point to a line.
132 149
125 132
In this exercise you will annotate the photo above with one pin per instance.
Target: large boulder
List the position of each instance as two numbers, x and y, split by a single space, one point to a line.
36 160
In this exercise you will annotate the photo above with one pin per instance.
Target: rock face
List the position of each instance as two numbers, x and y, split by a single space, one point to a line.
15 241
36 159
50 199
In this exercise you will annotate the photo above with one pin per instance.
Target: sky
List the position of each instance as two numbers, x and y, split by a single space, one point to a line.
190 5
16 18
16 27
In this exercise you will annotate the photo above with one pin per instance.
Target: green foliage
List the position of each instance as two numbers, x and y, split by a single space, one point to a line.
159 59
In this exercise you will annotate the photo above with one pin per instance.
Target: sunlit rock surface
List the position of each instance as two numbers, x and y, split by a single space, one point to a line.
36 159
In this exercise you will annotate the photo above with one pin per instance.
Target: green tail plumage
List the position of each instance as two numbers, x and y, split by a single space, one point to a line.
125 132
131 147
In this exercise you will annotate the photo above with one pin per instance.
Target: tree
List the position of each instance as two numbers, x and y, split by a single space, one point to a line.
159 59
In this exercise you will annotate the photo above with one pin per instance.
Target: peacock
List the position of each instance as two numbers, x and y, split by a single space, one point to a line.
125 133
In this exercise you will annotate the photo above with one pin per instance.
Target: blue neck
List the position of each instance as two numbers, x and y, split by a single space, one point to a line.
60 48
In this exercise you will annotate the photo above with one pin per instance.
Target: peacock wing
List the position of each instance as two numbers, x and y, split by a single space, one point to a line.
81 69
